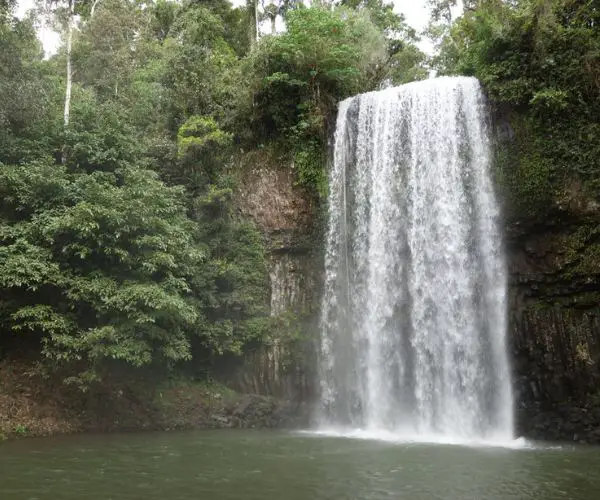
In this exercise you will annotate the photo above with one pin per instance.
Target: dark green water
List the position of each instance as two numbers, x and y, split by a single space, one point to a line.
250 465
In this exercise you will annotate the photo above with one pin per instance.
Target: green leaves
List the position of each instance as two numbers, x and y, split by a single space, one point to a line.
200 136
23 265
43 318
103 258
28 94
309 159
550 99
336 48
299 76
324 56
107 263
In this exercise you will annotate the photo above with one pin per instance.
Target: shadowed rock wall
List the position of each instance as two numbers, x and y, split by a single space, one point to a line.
554 307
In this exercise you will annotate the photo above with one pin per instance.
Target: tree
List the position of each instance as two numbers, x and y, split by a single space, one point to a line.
404 62
99 265
277 8
107 55
323 56
299 75
441 10
252 6
382 14
6 9
70 28
29 95
100 259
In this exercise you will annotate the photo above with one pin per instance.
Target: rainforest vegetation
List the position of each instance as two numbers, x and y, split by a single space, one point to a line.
120 242
119 238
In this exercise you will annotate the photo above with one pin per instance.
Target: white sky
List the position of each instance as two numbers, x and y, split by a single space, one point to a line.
415 11
50 39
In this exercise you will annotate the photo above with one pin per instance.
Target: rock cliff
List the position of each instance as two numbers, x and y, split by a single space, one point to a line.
553 259
554 318
554 298
288 217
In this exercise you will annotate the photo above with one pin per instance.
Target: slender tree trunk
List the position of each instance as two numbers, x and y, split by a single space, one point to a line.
69 68
253 31
273 25
256 23
93 8
67 110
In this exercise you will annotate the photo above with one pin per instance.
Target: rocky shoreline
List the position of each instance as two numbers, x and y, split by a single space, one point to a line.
34 406
576 423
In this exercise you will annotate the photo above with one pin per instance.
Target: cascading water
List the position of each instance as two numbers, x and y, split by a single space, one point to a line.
413 313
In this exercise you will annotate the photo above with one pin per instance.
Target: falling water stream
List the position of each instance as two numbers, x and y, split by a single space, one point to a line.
413 313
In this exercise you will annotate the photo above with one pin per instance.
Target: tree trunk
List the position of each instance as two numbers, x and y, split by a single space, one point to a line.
256 23
93 8
273 26
253 31
69 71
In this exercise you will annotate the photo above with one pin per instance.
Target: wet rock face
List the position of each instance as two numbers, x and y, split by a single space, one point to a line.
286 215
554 299
553 260
267 194
554 322
554 319
290 275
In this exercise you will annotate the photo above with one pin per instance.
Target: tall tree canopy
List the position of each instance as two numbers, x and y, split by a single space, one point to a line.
119 238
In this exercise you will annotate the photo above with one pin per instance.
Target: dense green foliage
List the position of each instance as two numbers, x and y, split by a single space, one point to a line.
119 239
540 63
100 264
323 57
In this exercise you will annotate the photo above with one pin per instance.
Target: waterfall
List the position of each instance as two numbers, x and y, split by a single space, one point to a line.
413 313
